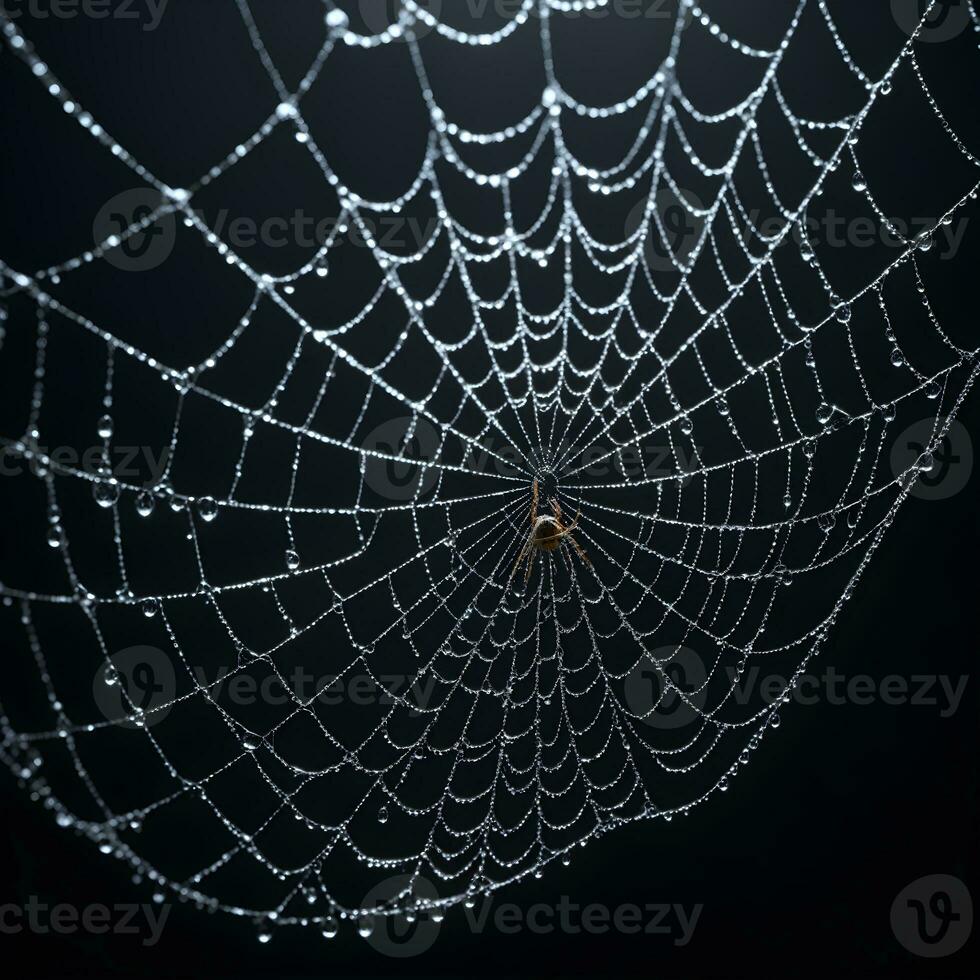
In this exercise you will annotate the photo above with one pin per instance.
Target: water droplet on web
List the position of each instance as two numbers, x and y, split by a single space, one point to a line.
925 462
292 560
825 413
843 313
933 390
149 608
787 501
383 815
105 427
55 536
365 926
330 928
687 426
105 494
858 182
207 508
145 503
897 357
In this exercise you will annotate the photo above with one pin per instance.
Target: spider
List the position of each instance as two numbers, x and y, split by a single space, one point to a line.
546 534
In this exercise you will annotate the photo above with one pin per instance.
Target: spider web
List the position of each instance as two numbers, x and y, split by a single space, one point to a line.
503 724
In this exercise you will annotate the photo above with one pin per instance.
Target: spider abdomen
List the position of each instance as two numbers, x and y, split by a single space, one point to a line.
547 534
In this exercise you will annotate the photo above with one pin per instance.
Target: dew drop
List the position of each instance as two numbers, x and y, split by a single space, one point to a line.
687 426
145 503
843 313
787 501
149 608
330 928
825 413
105 494
383 815
106 427
858 182
365 926
292 560
933 390
55 536
925 462
897 357
207 508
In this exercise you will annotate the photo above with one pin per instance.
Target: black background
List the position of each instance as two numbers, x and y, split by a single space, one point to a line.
797 867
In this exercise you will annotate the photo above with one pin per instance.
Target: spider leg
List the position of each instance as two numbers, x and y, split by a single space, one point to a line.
579 550
530 565
534 501
556 507
520 558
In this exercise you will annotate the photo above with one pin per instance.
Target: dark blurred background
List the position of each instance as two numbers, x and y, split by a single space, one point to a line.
798 866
